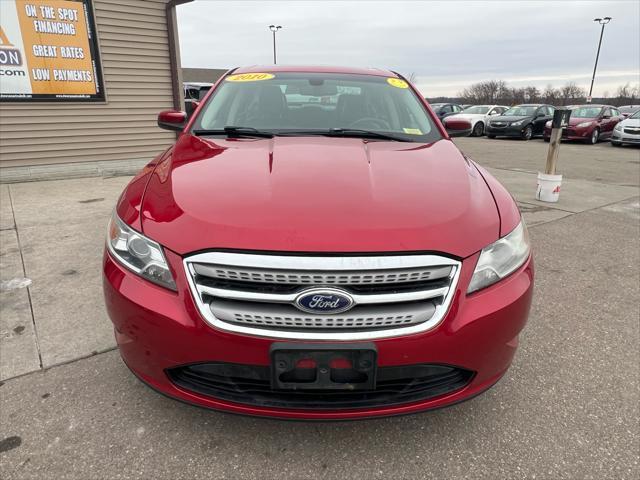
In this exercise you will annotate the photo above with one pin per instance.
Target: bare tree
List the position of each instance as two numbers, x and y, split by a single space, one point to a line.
572 93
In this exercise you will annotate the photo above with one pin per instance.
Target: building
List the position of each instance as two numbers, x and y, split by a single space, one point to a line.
93 91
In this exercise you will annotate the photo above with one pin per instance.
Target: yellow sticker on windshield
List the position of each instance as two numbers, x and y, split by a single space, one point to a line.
249 77
397 82
412 131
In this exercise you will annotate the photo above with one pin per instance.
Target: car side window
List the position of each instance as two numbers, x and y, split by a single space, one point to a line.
607 112
456 108
615 112
447 109
549 111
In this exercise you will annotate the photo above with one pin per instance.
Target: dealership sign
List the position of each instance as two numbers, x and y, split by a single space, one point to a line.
48 51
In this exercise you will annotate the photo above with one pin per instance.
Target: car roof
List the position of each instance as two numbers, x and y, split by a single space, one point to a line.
315 69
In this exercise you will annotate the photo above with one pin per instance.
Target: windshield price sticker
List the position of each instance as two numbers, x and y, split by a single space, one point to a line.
249 77
397 82
412 131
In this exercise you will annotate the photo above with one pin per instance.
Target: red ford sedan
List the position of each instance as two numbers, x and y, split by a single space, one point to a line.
589 123
314 246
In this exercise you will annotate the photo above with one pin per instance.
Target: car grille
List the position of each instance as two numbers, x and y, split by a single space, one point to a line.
251 385
632 131
256 294
498 124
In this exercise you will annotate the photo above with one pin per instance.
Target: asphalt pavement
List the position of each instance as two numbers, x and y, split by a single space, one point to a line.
567 408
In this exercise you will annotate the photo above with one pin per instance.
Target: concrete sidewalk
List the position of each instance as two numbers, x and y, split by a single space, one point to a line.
568 408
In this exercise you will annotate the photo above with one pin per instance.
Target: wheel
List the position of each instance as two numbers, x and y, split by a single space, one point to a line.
595 136
527 133
478 129
491 136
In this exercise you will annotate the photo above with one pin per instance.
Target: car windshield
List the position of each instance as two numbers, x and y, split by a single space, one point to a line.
290 103
520 111
585 112
636 115
477 109
629 109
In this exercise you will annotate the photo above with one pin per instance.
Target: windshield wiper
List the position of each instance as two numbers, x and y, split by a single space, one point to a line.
359 133
231 131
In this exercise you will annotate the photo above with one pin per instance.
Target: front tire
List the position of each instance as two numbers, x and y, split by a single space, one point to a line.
527 133
595 136
478 129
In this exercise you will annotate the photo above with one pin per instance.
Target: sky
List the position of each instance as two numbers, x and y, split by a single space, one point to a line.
446 45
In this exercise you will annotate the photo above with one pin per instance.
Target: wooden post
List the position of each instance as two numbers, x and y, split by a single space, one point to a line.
560 120
554 148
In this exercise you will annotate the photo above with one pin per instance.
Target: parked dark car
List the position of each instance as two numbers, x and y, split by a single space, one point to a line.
589 123
522 121
443 110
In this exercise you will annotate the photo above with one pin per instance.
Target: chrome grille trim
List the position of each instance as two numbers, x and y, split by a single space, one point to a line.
290 298
335 277
374 316
283 316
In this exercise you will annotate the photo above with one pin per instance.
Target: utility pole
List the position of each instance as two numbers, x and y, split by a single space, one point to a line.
274 29
603 22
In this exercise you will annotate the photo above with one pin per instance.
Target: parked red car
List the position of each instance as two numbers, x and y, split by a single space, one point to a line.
316 260
589 123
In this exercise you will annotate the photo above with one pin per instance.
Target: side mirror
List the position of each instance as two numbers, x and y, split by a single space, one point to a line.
172 120
457 127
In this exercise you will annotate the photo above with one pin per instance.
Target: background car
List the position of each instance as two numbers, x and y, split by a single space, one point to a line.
193 93
478 116
588 123
627 131
628 110
443 110
523 121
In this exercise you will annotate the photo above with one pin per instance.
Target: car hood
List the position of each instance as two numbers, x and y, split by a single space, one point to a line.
510 118
630 122
318 194
469 116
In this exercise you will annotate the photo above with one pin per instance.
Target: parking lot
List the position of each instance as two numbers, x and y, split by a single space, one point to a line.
567 408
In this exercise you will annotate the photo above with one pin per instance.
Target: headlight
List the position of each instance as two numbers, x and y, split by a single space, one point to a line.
584 124
618 127
138 253
501 258
520 122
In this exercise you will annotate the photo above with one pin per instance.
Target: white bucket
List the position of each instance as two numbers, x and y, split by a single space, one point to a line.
548 187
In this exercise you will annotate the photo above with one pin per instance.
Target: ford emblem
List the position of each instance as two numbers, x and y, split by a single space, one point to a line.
323 300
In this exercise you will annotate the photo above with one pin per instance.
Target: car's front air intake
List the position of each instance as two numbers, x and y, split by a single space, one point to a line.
322 297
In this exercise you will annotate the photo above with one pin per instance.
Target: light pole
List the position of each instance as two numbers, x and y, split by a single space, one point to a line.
603 22
274 29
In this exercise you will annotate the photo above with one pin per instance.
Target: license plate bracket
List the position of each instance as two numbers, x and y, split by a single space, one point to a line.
296 366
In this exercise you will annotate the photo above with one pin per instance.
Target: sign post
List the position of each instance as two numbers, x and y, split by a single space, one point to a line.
549 182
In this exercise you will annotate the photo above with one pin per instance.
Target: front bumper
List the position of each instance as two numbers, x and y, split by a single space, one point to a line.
507 131
572 133
157 330
622 137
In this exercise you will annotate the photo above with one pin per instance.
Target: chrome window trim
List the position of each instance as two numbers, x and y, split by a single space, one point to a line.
320 263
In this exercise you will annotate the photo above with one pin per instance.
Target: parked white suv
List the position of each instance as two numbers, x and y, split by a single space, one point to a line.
627 131
478 115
